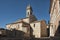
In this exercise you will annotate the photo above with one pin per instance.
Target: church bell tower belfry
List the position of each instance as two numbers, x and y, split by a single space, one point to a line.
29 14
29 11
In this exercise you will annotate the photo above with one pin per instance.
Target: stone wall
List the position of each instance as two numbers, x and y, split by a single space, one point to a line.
43 29
54 17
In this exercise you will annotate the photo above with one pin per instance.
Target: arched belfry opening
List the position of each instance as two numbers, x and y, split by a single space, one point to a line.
29 11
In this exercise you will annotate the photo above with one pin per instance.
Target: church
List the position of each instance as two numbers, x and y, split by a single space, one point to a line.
30 25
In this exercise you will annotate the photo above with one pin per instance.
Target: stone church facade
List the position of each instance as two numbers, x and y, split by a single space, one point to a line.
30 25
54 17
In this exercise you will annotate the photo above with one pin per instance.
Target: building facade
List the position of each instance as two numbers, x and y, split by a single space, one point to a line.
54 16
30 25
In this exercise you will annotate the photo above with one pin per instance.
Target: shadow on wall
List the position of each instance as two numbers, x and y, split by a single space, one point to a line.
58 31
15 33
11 33
31 33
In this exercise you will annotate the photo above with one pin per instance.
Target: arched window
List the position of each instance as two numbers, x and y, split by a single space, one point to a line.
28 13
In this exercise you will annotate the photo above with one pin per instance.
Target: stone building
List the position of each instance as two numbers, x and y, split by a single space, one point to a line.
54 17
30 25
2 32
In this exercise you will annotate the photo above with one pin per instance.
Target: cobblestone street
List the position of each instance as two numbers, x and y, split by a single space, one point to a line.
47 38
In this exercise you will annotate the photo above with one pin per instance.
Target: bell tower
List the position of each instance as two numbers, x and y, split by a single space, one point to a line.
29 11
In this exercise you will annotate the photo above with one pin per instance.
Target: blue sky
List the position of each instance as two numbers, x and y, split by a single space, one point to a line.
12 10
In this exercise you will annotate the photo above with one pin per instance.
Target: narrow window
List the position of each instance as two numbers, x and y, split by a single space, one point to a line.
28 13
34 25
18 25
52 26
